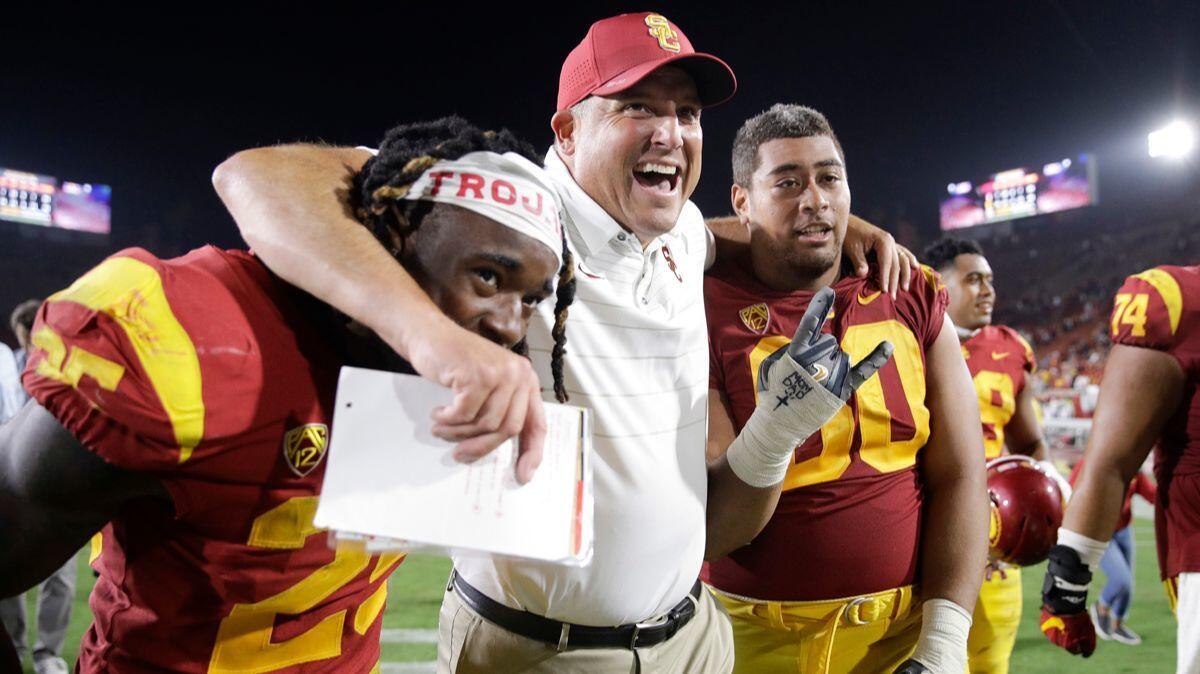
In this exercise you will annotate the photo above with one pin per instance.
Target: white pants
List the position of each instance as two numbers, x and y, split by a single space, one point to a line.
1187 613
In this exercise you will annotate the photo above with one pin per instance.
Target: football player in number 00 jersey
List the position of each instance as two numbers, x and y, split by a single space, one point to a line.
184 406
879 534
1000 361
1148 399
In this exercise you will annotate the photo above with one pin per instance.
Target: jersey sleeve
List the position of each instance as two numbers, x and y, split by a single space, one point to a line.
1028 362
923 305
110 361
1147 311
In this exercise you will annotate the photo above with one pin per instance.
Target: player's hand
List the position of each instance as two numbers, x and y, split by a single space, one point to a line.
1065 621
910 666
497 395
800 387
896 263
814 360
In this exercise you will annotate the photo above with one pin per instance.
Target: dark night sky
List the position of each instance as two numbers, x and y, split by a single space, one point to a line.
920 93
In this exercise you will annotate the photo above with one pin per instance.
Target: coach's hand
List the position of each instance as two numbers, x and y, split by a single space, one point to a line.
497 395
1065 621
800 387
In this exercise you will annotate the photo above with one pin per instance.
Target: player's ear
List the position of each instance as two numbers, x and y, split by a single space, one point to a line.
564 125
740 198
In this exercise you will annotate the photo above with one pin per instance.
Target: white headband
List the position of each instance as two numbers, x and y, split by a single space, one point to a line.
506 188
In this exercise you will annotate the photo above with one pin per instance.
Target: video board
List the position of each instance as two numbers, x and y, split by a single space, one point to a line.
34 199
1021 193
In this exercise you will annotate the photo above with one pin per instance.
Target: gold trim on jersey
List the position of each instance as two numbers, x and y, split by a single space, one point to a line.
1168 289
131 293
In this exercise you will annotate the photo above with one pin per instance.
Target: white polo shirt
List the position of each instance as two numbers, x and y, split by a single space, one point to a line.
637 355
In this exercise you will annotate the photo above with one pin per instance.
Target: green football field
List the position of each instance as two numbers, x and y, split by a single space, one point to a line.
415 592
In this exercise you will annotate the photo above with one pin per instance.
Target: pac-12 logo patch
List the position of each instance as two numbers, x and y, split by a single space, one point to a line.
304 447
756 317
661 29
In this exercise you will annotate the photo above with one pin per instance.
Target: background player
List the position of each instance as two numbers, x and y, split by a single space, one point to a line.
183 405
1148 398
892 489
1000 362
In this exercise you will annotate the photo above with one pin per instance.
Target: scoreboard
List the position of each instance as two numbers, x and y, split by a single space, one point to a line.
1020 193
26 197
34 199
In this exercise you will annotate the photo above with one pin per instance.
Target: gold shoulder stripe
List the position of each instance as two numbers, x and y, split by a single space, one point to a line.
1168 289
131 293
933 278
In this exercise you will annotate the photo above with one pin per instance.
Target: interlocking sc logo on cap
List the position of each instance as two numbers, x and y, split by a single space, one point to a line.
661 29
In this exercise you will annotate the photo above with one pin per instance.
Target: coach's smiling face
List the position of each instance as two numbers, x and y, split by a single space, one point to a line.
636 152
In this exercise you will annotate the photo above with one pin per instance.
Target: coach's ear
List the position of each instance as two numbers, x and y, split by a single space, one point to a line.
564 124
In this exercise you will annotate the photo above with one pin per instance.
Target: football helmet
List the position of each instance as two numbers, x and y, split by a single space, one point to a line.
1026 510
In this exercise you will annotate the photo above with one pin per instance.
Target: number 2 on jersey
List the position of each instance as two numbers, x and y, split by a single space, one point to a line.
244 642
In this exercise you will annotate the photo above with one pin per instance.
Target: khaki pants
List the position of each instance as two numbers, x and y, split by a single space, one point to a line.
467 643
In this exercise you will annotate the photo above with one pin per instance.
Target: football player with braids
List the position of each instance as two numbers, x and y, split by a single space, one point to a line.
867 553
1000 362
1148 400
407 152
181 408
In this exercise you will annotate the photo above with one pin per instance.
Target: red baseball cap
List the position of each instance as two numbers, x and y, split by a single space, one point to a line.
619 51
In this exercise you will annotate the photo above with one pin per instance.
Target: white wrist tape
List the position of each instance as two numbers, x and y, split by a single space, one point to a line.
1090 550
942 646
788 412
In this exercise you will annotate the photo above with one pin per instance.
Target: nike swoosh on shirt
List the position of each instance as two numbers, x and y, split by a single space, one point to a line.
999 356
867 299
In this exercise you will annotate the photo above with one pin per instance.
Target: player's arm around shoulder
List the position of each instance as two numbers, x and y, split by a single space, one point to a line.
291 205
54 494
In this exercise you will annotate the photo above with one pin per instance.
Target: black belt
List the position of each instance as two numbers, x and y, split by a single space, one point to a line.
562 635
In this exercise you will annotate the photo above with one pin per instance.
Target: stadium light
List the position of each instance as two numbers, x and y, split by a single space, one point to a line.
1174 140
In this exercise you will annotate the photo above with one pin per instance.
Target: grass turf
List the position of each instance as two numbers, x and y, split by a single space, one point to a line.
415 593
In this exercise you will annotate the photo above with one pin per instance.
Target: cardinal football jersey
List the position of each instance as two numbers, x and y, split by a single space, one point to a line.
999 360
1160 309
218 380
849 519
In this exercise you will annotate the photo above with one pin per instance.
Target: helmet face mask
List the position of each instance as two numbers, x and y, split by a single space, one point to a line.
1026 510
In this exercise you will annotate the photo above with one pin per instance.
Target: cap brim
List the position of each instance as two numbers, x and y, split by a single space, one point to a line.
715 81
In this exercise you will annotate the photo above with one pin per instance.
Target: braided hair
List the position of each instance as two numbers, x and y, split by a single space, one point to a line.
407 152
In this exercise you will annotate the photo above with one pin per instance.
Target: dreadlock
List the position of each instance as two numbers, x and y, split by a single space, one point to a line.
941 253
407 152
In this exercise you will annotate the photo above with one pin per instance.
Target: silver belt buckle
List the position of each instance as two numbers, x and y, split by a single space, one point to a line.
646 624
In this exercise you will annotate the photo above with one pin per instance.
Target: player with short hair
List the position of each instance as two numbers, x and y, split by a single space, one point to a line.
182 407
1000 362
1148 399
878 537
